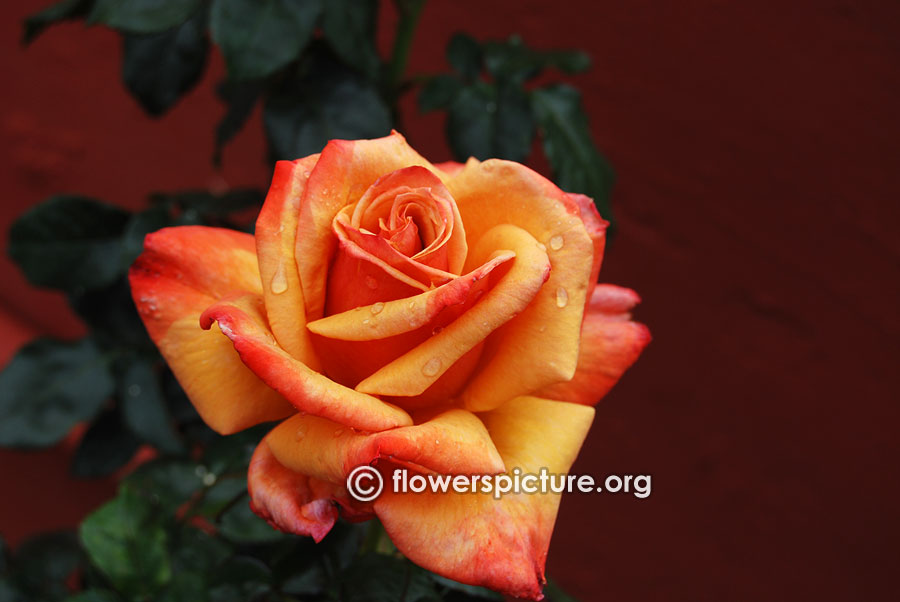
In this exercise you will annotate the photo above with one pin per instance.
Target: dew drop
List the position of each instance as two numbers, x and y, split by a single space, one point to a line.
562 297
436 330
371 282
376 309
337 433
279 282
366 321
209 479
300 433
556 242
432 366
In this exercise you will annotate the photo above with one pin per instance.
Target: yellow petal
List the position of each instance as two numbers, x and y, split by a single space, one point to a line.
242 320
540 346
276 233
452 442
180 273
497 543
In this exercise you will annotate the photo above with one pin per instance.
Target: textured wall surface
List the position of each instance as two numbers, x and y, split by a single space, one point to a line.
756 145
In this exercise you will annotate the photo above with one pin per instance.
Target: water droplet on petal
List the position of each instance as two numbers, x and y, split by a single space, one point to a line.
562 297
366 321
371 282
376 309
437 330
432 366
300 433
556 242
338 433
279 282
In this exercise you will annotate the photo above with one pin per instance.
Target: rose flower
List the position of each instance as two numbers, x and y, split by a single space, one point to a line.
439 318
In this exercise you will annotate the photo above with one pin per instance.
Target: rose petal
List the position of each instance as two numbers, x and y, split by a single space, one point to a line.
288 500
452 442
540 346
242 320
415 371
344 172
180 273
382 320
596 228
473 538
276 233
610 344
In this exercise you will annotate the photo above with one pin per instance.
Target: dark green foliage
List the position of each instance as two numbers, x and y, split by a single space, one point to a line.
55 13
142 16
106 447
577 164
349 27
259 37
126 540
69 243
48 387
319 101
159 68
42 565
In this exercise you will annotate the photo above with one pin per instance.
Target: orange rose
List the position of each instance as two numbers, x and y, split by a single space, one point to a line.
442 318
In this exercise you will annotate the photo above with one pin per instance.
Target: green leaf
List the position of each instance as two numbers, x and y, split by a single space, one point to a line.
195 555
10 592
464 54
166 484
138 227
259 37
321 101
240 98
142 16
69 243
208 205
94 595
43 564
106 447
112 317
240 525
439 93
61 11
159 68
309 580
513 61
472 591
239 579
144 407
223 493
232 454
126 543
489 121
349 27
47 388
379 578
577 164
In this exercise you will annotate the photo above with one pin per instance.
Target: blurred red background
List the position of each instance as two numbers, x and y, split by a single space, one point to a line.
757 198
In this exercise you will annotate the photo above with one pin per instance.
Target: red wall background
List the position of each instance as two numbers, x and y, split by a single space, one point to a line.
757 197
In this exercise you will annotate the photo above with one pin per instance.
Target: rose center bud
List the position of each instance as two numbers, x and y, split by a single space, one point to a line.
402 238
